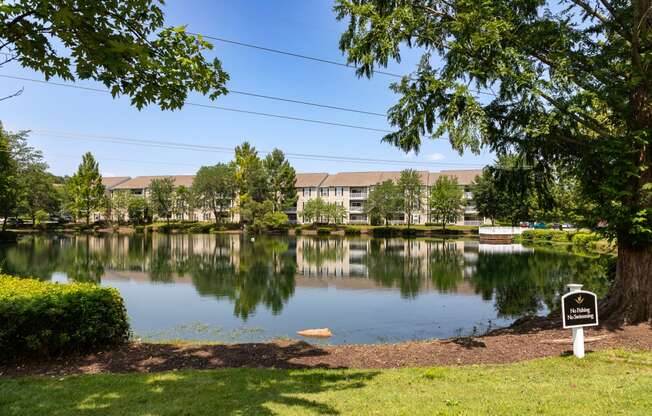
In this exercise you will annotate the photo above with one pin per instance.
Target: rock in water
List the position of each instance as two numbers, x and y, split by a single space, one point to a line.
316 333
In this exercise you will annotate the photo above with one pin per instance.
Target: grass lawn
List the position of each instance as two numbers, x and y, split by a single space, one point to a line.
604 383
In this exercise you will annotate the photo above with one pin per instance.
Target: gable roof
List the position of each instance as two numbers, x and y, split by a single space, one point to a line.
142 182
464 177
366 178
110 182
305 180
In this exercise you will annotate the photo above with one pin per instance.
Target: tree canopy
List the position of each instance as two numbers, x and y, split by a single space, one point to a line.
384 201
565 83
445 201
123 44
215 188
85 188
161 191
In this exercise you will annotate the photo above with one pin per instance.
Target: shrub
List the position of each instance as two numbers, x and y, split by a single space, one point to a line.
139 229
50 319
273 221
585 240
547 235
323 231
386 232
351 231
297 231
409 232
200 228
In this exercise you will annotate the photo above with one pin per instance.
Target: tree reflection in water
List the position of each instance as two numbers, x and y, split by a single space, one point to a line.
249 274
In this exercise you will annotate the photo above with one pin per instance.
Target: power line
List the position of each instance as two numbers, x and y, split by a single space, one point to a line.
219 149
249 94
293 54
307 57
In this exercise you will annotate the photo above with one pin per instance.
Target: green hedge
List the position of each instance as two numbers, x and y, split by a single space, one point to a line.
386 232
585 240
323 231
352 231
547 235
42 318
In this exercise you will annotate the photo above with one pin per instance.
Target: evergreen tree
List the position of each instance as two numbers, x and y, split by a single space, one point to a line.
281 179
85 189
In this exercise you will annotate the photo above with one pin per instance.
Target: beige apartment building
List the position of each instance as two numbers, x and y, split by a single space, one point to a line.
348 189
351 190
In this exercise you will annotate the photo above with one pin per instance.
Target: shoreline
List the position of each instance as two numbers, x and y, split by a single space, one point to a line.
499 347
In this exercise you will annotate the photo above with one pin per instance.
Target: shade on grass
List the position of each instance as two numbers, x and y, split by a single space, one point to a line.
605 383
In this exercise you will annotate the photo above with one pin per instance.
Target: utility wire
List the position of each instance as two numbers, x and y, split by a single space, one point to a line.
249 94
219 149
307 57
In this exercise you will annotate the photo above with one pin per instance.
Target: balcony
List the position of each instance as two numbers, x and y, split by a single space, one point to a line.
354 209
357 195
470 209
468 195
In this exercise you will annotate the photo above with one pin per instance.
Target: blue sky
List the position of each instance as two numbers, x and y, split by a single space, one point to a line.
306 27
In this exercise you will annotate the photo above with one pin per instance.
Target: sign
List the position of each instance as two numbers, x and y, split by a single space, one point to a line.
579 309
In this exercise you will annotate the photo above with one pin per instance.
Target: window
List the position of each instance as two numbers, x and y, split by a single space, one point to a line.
339 191
324 192
303 191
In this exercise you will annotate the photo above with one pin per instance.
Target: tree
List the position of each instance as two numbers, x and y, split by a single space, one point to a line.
281 179
384 201
8 179
446 199
409 185
215 187
488 199
161 191
137 209
32 186
314 210
120 202
250 174
183 201
85 189
569 85
127 48
38 192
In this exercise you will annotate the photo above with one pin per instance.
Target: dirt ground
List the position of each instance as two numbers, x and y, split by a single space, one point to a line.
502 346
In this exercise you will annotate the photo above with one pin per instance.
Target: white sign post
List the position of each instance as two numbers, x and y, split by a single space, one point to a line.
579 308
578 333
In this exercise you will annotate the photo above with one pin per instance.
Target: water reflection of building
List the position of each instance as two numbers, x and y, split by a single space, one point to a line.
352 257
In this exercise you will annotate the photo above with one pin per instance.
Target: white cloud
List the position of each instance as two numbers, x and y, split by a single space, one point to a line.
434 156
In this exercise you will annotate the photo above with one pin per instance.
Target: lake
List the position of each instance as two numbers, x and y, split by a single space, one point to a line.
228 288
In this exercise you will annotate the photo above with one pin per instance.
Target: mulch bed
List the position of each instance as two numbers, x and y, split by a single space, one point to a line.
503 346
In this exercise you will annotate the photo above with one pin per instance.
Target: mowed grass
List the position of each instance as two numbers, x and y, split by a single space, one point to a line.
612 382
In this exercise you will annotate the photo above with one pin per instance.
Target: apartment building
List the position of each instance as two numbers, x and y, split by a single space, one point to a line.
140 186
351 190
348 189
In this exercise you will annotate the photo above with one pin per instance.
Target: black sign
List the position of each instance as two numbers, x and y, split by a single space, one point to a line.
579 309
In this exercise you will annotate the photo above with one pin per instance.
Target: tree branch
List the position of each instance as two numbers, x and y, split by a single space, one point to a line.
16 94
597 15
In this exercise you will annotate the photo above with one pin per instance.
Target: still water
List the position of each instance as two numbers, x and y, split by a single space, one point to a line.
228 288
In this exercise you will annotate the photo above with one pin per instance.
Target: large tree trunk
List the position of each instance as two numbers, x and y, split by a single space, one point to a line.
630 298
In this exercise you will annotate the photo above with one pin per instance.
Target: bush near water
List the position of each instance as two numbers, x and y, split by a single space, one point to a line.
43 318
